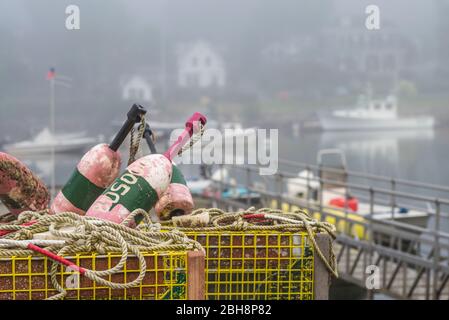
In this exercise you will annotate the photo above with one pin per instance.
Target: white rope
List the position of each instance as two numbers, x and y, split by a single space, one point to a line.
25 243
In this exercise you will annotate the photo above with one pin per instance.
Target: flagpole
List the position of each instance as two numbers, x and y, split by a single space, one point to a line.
52 130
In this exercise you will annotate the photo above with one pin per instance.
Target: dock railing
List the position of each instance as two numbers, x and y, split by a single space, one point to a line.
407 252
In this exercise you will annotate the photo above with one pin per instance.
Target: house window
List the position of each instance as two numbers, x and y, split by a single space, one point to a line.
140 94
132 93
390 62
215 81
192 79
372 63
207 61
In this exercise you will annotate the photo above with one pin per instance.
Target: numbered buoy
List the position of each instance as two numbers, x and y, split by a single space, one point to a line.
140 186
20 188
177 199
143 182
98 168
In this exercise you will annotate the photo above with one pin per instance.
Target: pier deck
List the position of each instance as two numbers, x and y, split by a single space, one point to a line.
391 256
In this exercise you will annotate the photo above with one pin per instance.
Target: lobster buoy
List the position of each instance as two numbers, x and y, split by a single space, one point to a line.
177 199
97 169
143 182
140 186
20 188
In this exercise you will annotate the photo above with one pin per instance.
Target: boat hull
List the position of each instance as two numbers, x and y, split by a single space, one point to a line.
44 149
329 122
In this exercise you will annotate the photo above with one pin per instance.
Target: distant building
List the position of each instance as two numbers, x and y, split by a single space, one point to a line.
136 88
200 66
354 49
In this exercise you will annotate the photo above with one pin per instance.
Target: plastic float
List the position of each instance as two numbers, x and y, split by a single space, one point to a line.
144 181
177 199
98 168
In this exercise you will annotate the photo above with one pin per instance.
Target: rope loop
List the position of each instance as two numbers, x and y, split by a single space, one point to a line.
135 139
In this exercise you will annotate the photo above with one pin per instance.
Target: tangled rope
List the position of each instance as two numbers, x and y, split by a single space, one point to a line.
89 234
273 220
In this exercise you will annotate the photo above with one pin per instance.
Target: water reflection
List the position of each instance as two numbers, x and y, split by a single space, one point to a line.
379 150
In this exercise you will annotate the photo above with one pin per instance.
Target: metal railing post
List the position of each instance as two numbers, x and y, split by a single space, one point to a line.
393 197
436 254
321 189
371 235
347 223
280 190
221 179
308 188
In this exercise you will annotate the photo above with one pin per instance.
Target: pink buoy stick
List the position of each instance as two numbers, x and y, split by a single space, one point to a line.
193 122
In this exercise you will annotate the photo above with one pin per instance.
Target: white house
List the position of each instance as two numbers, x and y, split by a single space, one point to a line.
199 65
137 88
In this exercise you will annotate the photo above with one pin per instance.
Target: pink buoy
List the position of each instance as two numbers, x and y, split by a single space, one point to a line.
95 171
20 188
177 199
98 168
143 183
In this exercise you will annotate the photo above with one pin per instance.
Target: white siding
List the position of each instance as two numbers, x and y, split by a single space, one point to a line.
138 89
200 66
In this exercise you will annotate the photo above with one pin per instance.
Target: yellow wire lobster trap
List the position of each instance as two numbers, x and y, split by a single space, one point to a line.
261 254
260 265
169 276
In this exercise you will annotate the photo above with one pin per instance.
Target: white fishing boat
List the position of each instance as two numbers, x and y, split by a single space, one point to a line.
45 142
373 115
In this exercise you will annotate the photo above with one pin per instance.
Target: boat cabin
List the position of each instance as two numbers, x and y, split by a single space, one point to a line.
372 109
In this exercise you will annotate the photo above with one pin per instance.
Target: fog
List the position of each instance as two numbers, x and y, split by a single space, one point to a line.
283 58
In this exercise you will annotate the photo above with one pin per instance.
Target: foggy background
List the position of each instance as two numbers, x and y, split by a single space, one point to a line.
259 63
276 63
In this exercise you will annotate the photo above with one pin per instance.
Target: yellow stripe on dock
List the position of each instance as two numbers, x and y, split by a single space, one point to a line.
353 225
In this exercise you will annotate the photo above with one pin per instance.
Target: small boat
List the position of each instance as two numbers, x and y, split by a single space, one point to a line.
306 188
210 187
206 184
372 115
45 142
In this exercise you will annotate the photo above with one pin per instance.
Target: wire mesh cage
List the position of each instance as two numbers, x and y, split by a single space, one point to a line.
257 265
167 277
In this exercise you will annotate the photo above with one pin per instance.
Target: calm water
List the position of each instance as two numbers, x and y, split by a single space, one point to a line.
419 155
413 155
